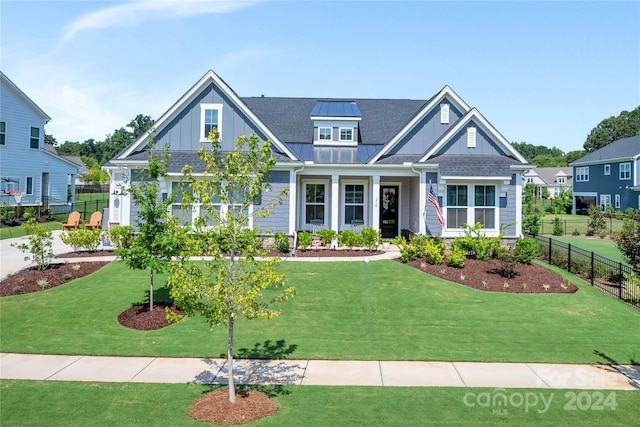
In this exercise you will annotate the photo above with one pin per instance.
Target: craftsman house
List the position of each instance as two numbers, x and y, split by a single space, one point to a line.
554 179
37 175
347 162
608 176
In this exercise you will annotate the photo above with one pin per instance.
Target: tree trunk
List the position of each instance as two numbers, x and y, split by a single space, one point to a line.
151 291
232 386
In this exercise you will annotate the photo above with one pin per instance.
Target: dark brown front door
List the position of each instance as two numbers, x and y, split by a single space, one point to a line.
389 211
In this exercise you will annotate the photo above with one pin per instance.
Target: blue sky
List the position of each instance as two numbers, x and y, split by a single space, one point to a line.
541 72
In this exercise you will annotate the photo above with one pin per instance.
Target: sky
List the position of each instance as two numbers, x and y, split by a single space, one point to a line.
542 72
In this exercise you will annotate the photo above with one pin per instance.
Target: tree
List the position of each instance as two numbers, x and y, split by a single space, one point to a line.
49 139
624 125
596 220
140 125
563 201
628 238
153 246
530 215
232 282
545 193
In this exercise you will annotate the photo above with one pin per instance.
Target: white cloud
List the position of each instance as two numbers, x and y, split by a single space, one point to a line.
134 13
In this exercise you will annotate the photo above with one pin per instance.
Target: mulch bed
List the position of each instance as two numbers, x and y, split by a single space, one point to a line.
140 318
26 281
83 254
326 253
482 275
214 407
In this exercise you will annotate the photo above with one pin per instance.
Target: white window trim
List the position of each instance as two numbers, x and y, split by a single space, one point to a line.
605 200
471 201
31 137
203 108
627 171
471 137
33 183
303 201
4 133
330 134
582 174
12 183
365 200
617 201
340 134
444 114
562 180
607 169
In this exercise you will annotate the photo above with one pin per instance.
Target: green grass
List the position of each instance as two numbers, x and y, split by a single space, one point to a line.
380 310
576 222
18 231
605 248
110 404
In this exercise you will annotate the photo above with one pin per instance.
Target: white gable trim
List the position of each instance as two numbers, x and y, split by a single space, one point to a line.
445 93
483 124
6 80
209 77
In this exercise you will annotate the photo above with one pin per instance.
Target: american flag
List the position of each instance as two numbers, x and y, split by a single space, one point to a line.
434 199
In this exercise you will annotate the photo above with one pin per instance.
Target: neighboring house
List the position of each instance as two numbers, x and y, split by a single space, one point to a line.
83 169
608 176
555 180
25 163
347 162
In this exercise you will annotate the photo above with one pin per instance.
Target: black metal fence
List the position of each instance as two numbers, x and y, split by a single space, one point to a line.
87 207
611 277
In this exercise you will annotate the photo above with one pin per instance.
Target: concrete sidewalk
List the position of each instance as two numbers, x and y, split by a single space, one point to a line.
318 372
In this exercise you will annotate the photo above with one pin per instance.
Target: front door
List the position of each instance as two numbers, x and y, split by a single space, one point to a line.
389 211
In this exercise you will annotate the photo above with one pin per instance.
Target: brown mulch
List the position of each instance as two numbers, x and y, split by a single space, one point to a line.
214 407
325 253
140 318
482 275
26 281
82 254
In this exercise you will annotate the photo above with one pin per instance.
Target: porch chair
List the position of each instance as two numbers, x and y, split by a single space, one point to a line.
95 221
73 221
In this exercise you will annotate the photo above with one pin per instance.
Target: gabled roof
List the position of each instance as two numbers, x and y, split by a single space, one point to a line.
622 149
6 81
208 78
473 165
550 174
445 93
475 116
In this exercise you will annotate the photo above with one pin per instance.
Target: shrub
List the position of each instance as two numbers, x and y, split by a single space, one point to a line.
43 283
371 237
122 236
456 257
40 244
7 214
350 238
507 266
526 250
81 239
596 220
557 227
281 241
327 236
304 239
67 276
576 232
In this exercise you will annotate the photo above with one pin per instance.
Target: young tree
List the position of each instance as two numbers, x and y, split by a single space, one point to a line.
530 215
563 201
231 283
596 220
153 246
628 239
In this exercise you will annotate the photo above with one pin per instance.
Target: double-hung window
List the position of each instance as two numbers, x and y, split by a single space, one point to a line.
582 174
315 202
210 118
34 141
3 133
346 134
29 186
485 205
625 170
605 200
183 214
324 134
457 202
353 203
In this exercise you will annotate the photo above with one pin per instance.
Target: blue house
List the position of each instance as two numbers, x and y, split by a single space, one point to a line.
25 164
608 176
348 162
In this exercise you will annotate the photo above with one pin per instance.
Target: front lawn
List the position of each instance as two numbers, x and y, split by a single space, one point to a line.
380 310
602 247
115 404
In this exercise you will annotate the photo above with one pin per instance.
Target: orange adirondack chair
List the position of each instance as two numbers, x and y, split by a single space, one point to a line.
73 221
94 221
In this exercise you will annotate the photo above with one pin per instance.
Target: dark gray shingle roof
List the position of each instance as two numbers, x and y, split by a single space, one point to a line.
620 149
474 165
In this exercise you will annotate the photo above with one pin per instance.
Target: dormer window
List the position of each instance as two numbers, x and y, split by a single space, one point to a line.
324 134
346 134
562 180
210 118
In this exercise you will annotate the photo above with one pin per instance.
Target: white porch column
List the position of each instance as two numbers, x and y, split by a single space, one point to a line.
335 202
375 190
293 201
422 227
519 187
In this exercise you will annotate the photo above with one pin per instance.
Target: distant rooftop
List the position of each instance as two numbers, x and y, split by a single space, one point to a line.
336 109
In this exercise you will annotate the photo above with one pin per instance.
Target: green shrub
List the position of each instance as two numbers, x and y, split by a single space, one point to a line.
67 276
507 265
456 257
304 239
281 241
121 236
81 239
40 244
371 237
526 250
327 236
350 238
7 214
557 227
